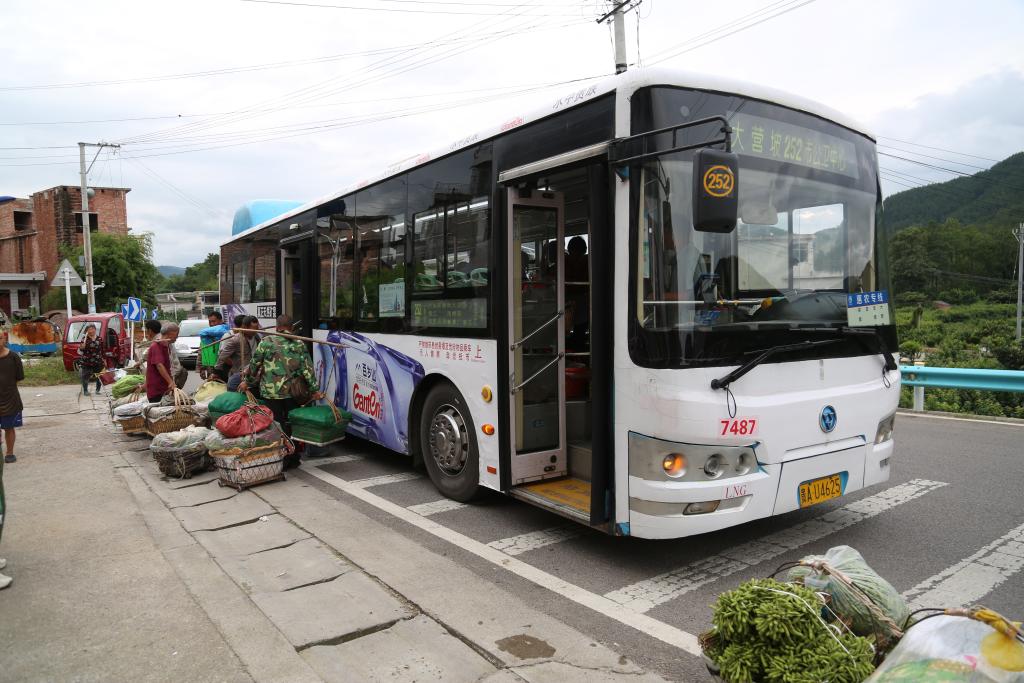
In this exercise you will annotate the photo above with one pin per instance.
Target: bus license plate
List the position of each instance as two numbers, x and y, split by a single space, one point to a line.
819 490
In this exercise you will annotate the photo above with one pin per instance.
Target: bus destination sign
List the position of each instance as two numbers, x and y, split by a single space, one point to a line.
757 136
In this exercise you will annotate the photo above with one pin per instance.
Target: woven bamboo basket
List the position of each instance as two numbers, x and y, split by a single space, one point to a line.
136 395
136 424
241 468
182 463
184 415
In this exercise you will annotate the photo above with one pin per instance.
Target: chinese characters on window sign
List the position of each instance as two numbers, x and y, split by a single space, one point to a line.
788 143
465 313
867 309
460 352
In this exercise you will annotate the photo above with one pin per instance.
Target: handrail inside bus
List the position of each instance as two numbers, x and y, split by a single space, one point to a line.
516 345
537 374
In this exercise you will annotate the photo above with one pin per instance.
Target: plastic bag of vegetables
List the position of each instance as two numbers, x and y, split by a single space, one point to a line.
859 595
126 385
973 645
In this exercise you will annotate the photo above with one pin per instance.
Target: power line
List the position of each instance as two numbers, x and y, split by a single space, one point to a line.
269 137
310 93
689 45
395 9
937 149
928 156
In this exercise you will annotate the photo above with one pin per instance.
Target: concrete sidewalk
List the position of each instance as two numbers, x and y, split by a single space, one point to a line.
93 596
122 574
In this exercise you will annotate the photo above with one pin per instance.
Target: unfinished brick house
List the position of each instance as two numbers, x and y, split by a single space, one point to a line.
33 229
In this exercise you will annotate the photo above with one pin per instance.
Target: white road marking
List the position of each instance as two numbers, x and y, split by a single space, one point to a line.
385 479
517 545
974 577
645 595
641 622
435 507
331 460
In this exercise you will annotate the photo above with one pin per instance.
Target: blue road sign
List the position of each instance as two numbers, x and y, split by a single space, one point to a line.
143 316
124 311
154 314
135 310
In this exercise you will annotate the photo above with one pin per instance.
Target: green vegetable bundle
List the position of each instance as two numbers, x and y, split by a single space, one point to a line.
774 632
126 385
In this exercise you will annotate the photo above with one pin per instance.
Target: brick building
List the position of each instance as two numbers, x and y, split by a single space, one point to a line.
33 230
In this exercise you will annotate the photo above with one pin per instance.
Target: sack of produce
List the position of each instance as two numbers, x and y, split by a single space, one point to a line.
973 645
319 425
859 595
769 631
126 385
182 453
248 419
209 390
184 438
249 460
131 409
272 435
227 402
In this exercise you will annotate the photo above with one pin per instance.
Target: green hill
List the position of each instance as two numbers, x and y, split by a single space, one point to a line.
995 195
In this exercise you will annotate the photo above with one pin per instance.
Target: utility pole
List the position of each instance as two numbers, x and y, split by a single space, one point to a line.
619 30
90 290
1019 234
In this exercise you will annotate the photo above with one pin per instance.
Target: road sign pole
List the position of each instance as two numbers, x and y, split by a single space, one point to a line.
1019 234
131 341
67 290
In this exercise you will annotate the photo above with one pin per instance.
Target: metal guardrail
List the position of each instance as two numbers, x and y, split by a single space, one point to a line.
921 376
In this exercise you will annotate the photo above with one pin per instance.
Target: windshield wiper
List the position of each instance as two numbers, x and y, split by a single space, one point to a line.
862 332
723 382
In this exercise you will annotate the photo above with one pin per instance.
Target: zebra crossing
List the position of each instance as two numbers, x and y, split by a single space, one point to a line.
653 595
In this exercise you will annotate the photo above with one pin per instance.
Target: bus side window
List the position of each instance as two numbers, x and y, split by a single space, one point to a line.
335 251
380 234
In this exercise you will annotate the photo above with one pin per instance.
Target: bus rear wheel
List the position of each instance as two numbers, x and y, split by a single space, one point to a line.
448 444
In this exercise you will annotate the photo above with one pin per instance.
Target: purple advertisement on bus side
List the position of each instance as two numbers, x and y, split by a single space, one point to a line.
374 383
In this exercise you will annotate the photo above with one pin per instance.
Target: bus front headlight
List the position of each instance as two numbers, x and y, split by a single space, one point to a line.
885 428
658 460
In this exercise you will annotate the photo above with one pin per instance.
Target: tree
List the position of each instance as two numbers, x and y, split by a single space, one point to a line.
910 262
202 276
124 263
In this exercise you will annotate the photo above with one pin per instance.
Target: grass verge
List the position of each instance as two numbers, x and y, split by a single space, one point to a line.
46 372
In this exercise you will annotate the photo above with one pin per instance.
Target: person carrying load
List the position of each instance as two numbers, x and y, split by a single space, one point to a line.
283 371
208 346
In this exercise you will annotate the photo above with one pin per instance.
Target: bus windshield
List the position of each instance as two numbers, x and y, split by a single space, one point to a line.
806 236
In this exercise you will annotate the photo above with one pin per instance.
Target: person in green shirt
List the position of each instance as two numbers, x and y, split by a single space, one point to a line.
282 369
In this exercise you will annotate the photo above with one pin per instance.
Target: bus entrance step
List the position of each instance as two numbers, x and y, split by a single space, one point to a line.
569 497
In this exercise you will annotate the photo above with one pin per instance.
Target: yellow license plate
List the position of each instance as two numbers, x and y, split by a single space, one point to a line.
819 490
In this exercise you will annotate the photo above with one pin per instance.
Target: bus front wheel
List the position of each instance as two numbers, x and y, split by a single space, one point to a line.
448 444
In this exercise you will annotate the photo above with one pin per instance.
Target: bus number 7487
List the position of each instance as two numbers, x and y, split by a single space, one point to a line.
739 427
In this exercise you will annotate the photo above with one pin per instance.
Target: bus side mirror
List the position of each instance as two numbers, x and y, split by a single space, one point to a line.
715 191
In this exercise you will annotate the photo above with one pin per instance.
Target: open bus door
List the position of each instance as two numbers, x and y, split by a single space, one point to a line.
559 400
296 278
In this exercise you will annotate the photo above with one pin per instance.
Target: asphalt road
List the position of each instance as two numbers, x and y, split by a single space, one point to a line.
946 530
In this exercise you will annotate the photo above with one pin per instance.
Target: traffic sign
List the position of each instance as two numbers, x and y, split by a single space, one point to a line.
73 280
143 316
124 311
154 314
135 310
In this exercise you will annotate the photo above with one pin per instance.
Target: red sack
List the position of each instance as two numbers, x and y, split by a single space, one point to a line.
249 419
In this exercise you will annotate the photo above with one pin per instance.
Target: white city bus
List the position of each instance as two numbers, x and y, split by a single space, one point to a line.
543 309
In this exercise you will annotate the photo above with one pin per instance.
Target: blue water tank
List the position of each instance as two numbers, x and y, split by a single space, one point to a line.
259 211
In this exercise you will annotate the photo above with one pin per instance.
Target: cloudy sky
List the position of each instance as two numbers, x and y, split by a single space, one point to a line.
218 102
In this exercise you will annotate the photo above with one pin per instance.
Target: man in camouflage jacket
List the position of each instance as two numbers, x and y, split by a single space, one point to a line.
277 364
